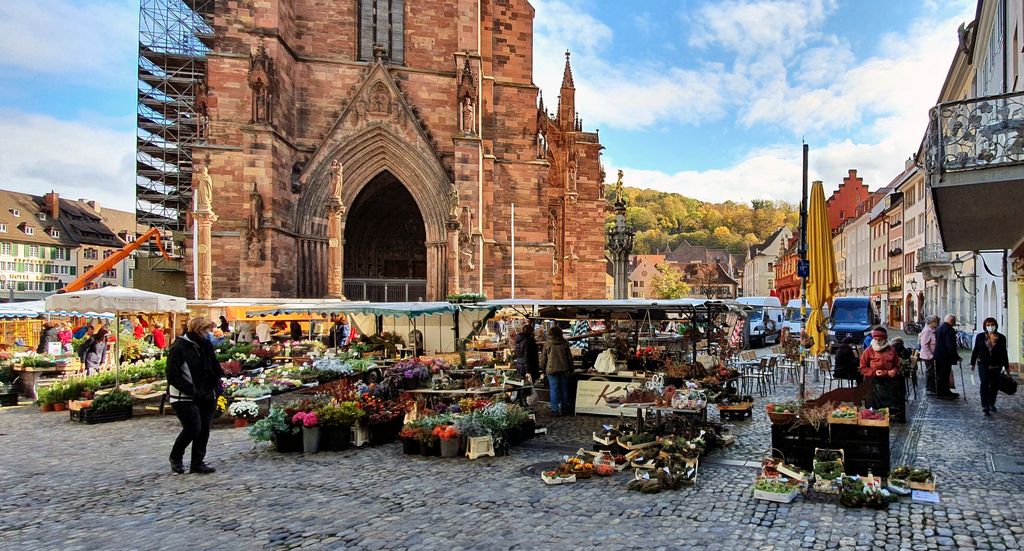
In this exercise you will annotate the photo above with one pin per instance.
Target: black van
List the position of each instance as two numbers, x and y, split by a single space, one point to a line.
853 316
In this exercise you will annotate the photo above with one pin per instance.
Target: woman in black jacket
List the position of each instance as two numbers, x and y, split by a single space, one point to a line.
990 357
193 384
847 364
526 353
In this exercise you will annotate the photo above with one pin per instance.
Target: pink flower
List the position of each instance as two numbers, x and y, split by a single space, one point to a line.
299 418
310 420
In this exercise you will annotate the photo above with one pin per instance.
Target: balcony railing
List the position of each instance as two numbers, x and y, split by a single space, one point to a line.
976 133
385 290
933 253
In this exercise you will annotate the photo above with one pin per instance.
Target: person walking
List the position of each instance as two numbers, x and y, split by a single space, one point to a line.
880 365
93 352
557 364
193 384
945 355
527 362
927 342
159 339
990 357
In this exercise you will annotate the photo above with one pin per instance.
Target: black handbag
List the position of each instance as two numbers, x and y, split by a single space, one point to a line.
1007 385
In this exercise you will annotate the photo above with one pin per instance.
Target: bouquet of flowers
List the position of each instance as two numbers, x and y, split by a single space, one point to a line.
306 419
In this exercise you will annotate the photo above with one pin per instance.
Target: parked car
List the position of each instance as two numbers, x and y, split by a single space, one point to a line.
854 316
764 319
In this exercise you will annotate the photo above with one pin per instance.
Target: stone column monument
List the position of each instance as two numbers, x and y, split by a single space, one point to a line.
204 218
620 244
335 235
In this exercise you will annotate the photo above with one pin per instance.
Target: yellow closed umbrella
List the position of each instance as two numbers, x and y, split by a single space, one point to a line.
821 285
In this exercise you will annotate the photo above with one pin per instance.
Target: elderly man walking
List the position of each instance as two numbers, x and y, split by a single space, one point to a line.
927 340
946 354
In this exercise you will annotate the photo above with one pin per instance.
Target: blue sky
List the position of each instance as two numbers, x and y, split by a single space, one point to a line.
705 98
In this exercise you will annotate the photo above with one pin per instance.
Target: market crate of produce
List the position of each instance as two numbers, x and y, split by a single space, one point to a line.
89 417
872 418
913 478
767 489
844 415
552 478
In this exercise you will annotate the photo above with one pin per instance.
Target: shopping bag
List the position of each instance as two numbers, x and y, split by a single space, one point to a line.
1007 385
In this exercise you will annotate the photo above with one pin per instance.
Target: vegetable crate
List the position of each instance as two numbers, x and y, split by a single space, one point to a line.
797 444
866 448
556 480
736 412
776 497
89 417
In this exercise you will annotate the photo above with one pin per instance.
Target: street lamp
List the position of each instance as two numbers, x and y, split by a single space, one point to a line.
958 269
913 285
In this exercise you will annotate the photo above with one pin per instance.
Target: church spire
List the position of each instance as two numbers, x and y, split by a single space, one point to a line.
567 73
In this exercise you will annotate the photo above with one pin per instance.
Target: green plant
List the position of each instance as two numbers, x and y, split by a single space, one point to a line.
339 415
466 297
471 424
6 372
115 400
274 423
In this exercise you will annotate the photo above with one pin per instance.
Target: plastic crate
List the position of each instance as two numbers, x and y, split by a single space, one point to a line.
89 417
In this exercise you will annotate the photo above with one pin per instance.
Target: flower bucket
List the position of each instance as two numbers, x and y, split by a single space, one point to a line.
59 406
46 407
410 446
514 436
241 422
310 439
335 439
286 442
382 433
450 447
430 448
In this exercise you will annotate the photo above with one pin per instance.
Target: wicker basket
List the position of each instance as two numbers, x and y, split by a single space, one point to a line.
782 418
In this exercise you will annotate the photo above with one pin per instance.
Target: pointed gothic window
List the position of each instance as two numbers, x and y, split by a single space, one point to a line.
381 24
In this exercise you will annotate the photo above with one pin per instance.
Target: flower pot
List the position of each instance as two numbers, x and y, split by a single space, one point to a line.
46 407
450 447
410 446
59 406
335 439
310 439
430 448
286 442
383 433
529 429
514 436
241 422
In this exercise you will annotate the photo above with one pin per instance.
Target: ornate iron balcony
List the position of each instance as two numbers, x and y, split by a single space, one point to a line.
976 133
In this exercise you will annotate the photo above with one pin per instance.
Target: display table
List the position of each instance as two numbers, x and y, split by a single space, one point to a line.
29 377
431 396
866 448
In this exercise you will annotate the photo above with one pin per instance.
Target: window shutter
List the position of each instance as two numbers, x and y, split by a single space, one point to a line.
74 270
53 253
48 269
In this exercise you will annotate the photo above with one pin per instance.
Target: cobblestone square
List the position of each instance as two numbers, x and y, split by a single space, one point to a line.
69 486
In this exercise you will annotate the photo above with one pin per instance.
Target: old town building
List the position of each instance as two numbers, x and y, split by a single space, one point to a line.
759 266
842 204
787 283
387 144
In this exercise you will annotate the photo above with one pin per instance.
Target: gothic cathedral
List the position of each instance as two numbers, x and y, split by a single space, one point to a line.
375 149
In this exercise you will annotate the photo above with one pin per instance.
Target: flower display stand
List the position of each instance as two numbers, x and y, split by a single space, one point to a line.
479 446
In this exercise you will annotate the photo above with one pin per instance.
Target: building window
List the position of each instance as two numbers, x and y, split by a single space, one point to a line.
111 273
5 248
16 213
42 216
55 233
3 228
106 254
90 254
381 23
33 251
29 230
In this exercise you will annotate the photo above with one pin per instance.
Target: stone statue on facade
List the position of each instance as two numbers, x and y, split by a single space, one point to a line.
255 251
204 192
262 83
336 179
572 176
453 202
618 188
468 116
255 210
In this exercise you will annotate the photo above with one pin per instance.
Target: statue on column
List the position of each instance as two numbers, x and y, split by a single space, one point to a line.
336 180
466 93
572 176
204 192
453 202
468 116
254 250
261 82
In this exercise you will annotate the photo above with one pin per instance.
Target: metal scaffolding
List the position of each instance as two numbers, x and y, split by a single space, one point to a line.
174 38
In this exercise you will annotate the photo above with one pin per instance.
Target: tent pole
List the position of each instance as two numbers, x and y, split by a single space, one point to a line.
117 350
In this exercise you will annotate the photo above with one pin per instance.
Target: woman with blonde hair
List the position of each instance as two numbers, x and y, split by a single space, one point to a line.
193 384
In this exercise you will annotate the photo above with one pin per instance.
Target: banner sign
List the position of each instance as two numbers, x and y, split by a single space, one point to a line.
591 396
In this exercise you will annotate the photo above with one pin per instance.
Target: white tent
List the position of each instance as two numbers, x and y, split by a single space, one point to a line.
119 300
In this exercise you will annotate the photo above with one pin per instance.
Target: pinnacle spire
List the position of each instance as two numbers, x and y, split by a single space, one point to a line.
567 73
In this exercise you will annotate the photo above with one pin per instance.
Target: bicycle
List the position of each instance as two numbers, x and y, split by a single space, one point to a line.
964 340
912 328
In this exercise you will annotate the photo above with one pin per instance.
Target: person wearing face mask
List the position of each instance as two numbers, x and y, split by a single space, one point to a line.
927 341
193 383
880 365
990 357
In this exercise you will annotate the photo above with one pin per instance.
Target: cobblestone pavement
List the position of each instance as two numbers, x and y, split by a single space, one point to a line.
70 486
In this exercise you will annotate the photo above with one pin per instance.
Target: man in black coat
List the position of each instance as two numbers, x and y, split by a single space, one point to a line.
946 354
193 384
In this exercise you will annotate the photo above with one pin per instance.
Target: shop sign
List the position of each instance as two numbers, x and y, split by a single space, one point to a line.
591 396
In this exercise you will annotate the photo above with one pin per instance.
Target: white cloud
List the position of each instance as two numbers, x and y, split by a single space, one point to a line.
74 159
753 27
90 42
629 96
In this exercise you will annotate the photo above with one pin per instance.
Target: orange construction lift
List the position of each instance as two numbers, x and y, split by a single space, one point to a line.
112 260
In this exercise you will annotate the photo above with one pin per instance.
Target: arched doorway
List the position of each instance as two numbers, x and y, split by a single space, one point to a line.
385 244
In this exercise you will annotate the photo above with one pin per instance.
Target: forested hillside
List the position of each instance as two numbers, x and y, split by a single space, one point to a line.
662 220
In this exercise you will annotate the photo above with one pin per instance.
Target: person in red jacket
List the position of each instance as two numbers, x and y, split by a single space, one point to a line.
880 365
159 339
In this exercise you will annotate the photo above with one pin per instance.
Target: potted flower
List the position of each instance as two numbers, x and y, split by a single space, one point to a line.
277 428
310 430
410 437
336 422
243 412
449 437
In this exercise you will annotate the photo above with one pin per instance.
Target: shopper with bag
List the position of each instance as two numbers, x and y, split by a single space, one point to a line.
989 357
946 354
557 363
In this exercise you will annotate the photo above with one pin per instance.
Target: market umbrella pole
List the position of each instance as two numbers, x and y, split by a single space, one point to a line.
803 280
823 278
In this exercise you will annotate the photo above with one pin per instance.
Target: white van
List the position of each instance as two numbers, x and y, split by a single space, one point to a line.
794 320
765 319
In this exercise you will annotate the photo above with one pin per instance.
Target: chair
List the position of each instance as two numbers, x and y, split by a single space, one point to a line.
754 376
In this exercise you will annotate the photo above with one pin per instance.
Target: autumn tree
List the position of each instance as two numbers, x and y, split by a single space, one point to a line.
669 283
705 280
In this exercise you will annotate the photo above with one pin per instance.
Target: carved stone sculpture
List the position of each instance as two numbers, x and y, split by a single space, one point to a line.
453 202
336 179
204 192
255 210
262 84
468 116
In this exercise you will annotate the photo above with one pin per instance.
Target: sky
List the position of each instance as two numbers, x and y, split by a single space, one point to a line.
710 99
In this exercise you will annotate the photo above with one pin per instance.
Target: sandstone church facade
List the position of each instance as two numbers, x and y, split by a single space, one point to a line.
384 142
